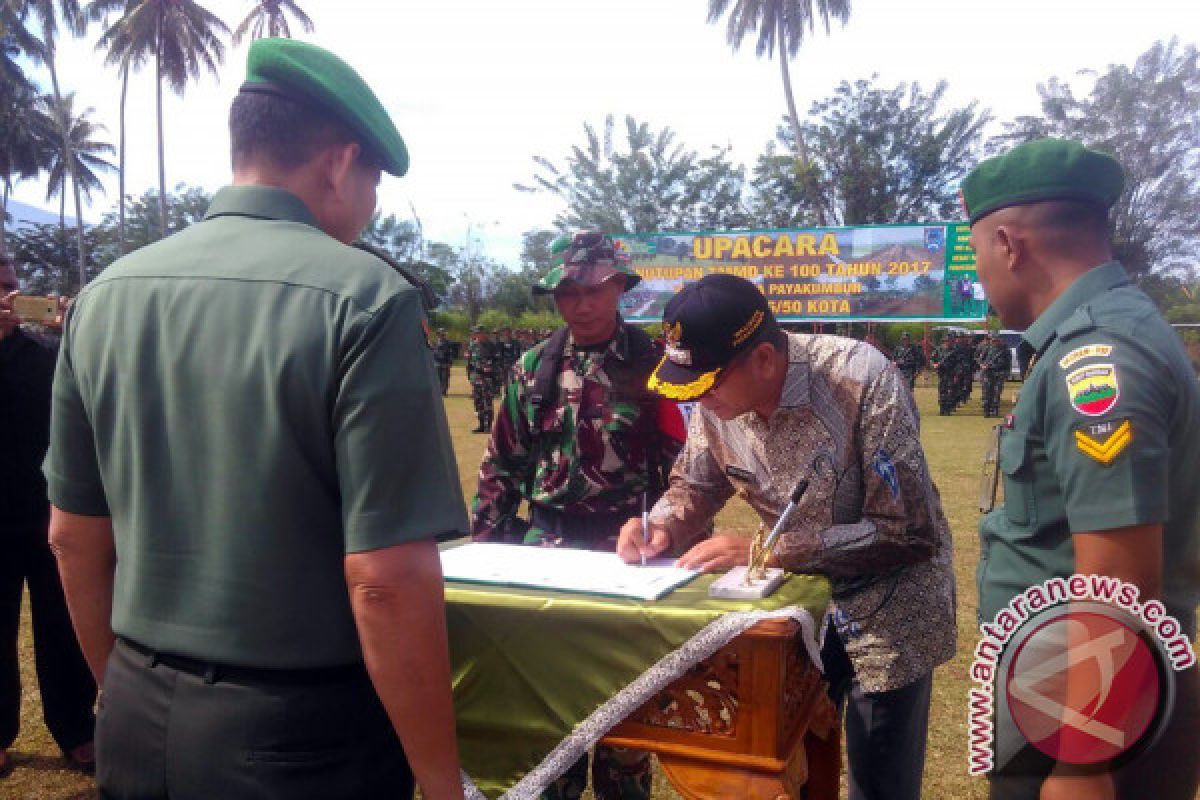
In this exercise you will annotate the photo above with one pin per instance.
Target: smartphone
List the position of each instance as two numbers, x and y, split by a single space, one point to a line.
31 308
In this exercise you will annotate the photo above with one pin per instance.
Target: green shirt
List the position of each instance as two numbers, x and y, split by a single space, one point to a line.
1105 435
250 400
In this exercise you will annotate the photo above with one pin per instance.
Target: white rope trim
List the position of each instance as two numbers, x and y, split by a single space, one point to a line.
670 668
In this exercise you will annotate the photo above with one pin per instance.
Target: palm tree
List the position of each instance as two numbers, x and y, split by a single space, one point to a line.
181 36
126 60
22 153
86 160
40 45
269 18
780 24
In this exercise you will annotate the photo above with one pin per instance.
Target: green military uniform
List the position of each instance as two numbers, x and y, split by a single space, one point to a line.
122 400
995 363
443 357
269 409
1104 436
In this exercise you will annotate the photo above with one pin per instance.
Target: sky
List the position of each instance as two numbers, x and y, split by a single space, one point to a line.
478 87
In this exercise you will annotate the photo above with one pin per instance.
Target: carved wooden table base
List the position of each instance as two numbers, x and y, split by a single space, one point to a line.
752 721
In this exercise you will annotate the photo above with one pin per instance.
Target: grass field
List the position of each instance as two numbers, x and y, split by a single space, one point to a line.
954 446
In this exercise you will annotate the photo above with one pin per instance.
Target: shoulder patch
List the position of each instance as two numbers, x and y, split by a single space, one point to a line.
886 470
1104 441
1093 389
1087 351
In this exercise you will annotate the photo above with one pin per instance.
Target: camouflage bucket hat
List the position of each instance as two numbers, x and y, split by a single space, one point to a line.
588 258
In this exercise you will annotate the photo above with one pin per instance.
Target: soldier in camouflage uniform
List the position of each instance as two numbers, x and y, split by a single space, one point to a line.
944 360
964 378
443 357
510 350
483 370
909 360
996 363
582 440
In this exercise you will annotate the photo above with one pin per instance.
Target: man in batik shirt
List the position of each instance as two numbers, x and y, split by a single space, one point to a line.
581 439
776 409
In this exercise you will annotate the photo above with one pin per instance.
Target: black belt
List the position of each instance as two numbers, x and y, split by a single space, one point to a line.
592 527
212 672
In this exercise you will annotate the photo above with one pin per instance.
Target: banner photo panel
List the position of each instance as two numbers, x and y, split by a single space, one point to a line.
921 272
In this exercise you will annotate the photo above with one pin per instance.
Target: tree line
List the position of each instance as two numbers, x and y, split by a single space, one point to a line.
51 135
867 153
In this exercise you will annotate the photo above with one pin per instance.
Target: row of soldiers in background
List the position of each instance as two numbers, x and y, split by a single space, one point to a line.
489 360
956 362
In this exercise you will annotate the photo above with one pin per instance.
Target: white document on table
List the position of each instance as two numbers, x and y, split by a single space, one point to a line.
562 570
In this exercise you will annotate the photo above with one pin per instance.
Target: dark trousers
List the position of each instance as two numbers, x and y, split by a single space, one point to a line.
186 734
1168 770
885 731
67 689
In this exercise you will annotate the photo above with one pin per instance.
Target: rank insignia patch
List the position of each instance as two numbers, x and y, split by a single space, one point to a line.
1104 441
1093 389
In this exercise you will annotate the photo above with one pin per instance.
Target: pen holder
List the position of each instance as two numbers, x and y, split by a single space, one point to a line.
738 584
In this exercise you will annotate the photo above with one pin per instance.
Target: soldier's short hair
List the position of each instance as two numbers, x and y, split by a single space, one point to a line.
281 130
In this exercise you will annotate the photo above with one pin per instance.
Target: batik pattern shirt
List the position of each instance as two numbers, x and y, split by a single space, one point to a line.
871 519
591 451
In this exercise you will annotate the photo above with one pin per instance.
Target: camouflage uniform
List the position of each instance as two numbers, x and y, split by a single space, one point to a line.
483 370
964 378
591 457
584 474
510 349
944 359
582 444
909 360
996 364
443 357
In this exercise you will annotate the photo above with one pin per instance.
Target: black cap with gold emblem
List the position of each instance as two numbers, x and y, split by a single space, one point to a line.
707 325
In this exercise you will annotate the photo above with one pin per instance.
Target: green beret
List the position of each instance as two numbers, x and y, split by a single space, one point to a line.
309 74
1044 169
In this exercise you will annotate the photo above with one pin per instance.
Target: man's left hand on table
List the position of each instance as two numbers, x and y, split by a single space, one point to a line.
717 554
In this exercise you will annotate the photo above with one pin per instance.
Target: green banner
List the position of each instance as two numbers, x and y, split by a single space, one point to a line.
867 272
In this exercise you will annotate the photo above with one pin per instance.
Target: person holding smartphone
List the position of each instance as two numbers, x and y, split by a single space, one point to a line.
66 686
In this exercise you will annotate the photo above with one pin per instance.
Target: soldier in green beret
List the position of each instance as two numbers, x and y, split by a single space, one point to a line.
249 475
1098 461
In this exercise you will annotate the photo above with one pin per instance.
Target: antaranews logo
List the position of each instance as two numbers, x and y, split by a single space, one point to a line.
1120 655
